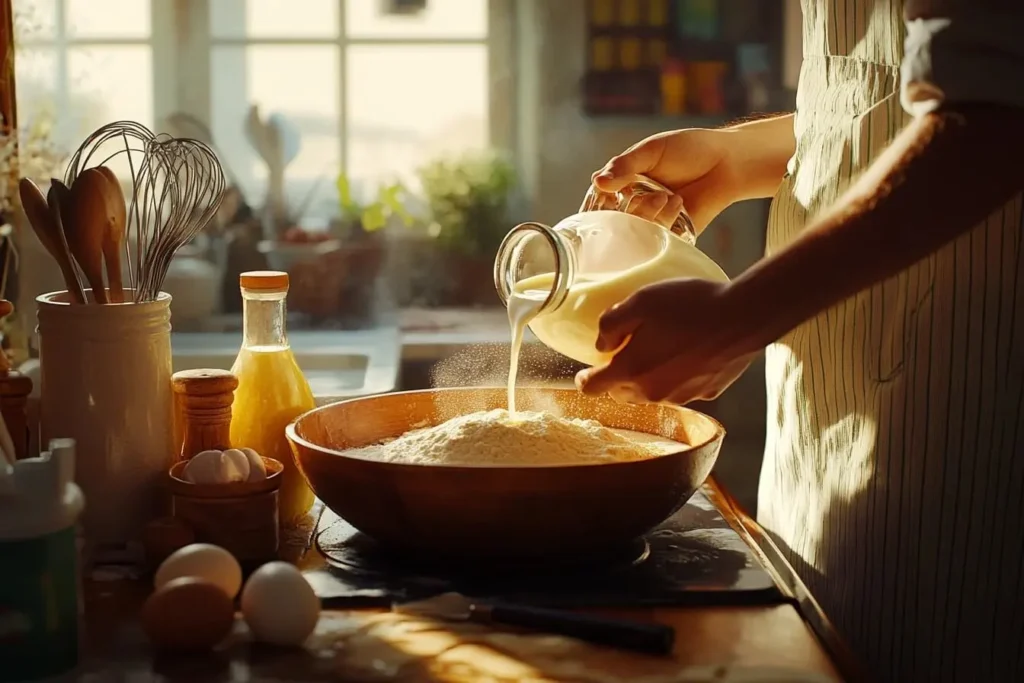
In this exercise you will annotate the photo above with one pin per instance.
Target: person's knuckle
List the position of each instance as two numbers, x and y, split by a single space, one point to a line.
606 323
643 296
612 317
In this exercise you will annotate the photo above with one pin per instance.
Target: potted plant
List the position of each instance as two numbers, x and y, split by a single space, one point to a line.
359 219
341 281
468 200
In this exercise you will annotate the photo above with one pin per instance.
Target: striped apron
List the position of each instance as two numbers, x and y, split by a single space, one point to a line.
893 477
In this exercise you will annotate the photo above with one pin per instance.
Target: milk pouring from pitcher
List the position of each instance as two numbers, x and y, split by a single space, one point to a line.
561 280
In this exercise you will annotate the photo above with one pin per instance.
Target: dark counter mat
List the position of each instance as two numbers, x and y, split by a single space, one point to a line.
693 558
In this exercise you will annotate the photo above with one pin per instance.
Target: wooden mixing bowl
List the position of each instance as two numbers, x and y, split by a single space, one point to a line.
487 512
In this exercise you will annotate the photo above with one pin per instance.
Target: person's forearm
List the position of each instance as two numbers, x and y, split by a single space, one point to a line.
761 154
946 172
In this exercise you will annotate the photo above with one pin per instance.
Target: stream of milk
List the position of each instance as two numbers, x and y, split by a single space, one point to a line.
523 307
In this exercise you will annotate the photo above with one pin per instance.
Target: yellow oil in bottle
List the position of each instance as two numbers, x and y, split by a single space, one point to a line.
272 391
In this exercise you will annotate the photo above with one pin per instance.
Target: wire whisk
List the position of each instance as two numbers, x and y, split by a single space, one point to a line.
178 185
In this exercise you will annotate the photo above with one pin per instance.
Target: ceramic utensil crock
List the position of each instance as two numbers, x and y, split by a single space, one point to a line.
106 382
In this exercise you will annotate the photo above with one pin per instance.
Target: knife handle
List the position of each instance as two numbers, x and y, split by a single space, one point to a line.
619 633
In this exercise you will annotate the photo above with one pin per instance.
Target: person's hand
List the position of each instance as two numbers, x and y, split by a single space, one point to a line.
692 163
678 341
707 170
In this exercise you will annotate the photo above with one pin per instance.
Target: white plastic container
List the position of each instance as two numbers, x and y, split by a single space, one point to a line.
39 578
106 382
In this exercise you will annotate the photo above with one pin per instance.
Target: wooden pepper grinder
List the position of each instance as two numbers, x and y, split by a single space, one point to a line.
203 399
14 390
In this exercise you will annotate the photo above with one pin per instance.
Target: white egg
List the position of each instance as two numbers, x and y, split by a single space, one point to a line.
217 467
236 464
279 605
202 468
257 468
202 561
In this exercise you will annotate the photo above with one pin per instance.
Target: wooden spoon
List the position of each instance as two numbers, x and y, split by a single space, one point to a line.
113 236
89 217
50 234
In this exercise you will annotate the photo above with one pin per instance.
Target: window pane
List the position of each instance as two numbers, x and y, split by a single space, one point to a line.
35 77
36 82
302 84
35 20
440 19
108 18
409 104
274 18
107 84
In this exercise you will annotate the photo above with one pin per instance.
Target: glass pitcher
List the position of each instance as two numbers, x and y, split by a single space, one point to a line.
591 261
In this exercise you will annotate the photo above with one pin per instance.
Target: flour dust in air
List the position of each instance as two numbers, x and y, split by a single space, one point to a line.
522 308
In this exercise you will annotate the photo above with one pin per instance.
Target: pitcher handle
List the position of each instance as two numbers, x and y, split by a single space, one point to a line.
640 185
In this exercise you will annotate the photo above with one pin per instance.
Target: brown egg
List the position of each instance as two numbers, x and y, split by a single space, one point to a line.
187 614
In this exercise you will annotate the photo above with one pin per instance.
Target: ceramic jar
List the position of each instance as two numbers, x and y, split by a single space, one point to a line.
192 282
105 374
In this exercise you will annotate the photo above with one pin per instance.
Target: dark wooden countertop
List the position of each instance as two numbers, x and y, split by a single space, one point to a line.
369 645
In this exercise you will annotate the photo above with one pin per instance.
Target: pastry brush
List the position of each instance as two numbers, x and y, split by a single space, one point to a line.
618 633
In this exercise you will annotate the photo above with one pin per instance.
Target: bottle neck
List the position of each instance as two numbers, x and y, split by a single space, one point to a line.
531 249
263 319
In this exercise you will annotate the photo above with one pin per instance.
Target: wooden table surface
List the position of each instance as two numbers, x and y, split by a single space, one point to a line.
372 645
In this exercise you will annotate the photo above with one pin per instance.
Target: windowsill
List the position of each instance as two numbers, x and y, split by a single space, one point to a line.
349 363
337 364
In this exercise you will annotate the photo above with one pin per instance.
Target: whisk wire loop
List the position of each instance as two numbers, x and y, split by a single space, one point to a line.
178 185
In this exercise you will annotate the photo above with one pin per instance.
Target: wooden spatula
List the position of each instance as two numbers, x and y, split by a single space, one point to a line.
89 217
113 235
50 234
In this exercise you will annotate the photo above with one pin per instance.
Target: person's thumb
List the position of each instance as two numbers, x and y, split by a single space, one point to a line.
620 169
616 325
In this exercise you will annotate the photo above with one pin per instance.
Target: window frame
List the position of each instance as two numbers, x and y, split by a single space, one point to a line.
162 53
187 48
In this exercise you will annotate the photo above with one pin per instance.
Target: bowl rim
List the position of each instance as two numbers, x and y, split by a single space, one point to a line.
294 437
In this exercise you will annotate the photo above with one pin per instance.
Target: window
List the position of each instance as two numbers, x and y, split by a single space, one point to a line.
80 63
371 93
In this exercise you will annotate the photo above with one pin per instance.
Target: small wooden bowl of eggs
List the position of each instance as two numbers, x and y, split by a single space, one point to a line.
192 608
229 498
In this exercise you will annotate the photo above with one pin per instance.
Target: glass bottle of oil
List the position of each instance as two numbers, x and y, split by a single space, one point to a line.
272 392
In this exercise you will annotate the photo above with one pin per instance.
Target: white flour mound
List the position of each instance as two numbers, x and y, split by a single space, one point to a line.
526 438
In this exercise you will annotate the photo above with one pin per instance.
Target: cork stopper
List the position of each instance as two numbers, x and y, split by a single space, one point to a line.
203 398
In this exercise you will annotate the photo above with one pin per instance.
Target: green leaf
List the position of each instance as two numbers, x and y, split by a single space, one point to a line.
391 197
468 199
374 217
348 206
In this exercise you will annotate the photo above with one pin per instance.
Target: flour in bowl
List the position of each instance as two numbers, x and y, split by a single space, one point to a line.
498 438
